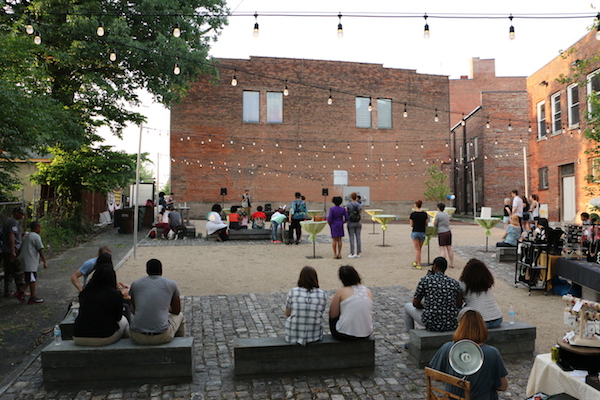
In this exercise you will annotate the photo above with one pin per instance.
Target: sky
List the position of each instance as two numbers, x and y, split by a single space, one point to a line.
393 42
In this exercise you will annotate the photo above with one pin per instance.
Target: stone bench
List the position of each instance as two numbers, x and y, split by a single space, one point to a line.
506 254
516 340
123 363
245 234
274 355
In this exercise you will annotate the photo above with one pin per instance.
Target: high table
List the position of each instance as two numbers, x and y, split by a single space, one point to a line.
372 212
430 230
314 213
547 377
383 219
487 224
313 228
584 273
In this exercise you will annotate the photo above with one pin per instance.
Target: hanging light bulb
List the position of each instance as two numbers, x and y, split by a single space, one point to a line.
340 30
487 124
100 30
598 30
285 89
564 129
234 79
176 31
112 55
330 99
509 125
370 108
426 30
511 30
255 33
529 128
37 39
29 27
405 112
436 118
176 68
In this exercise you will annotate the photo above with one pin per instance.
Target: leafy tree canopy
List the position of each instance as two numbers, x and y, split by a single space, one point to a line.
436 186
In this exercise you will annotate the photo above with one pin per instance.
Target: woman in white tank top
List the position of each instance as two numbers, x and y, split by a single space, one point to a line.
351 311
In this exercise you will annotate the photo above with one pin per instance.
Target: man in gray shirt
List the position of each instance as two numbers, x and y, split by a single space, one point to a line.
442 221
156 308
176 222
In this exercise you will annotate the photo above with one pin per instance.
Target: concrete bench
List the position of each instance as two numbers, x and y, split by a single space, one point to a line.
516 340
274 355
123 363
245 234
506 254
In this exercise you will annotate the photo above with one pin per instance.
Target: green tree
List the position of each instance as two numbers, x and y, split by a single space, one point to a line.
436 186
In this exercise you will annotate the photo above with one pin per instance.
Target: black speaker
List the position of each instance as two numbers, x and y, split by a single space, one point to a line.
325 192
223 191
268 207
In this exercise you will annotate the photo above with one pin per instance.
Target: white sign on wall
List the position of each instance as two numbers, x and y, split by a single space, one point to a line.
340 177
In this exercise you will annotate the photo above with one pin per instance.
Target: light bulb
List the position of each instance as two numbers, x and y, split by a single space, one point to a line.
37 39
511 30
29 28
529 128
426 32
234 81
100 30
255 33
176 69
340 30
330 99
285 90
487 125
176 31
405 111
370 108
436 118
112 56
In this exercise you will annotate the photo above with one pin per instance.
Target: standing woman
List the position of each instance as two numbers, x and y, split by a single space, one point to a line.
336 219
442 221
351 310
534 209
354 225
304 309
418 222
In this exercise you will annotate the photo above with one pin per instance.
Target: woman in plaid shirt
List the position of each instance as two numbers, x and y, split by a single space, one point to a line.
304 309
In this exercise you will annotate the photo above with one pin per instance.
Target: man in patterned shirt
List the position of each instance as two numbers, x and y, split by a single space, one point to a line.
436 301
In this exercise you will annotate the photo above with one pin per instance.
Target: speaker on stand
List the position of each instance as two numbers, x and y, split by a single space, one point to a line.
325 192
223 193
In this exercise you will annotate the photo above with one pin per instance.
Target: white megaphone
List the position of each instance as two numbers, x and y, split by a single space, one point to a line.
466 357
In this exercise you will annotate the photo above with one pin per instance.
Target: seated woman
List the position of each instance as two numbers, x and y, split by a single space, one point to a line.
512 234
304 309
234 218
491 377
214 224
100 321
351 310
476 282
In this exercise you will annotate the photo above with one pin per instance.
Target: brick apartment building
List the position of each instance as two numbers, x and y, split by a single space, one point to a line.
559 162
254 136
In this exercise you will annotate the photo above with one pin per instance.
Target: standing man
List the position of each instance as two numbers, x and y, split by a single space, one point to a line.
436 301
11 247
517 206
156 308
31 251
87 268
297 214
247 202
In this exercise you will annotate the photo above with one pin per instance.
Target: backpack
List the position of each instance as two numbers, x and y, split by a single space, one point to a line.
258 223
299 210
355 215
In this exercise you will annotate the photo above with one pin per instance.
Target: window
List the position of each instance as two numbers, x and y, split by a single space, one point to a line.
543 178
556 115
541 116
274 107
593 87
573 101
384 113
594 169
475 147
251 107
363 115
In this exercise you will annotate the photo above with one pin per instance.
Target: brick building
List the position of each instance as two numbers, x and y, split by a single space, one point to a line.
488 147
254 136
559 162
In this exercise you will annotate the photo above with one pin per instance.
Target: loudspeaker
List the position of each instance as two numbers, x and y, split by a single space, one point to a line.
223 191
466 357
268 207
325 192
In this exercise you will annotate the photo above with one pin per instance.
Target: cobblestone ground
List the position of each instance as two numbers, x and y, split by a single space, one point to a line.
215 321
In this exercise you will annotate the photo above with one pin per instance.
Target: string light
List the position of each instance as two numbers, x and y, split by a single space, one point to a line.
511 30
100 30
285 89
37 39
487 124
176 68
436 118
234 81
405 112
426 30
370 108
113 55
330 99
340 30
176 31
529 127
255 33
29 27
509 125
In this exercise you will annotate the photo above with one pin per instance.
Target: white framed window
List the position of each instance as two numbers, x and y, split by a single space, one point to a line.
556 113
573 104
541 119
594 169
363 115
251 107
593 87
543 178
384 113
274 107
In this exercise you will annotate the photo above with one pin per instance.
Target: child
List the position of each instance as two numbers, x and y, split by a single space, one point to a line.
244 221
585 219
31 250
507 212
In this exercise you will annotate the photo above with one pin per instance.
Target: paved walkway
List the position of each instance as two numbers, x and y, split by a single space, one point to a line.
215 321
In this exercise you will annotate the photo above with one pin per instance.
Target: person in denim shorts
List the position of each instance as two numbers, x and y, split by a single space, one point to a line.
418 221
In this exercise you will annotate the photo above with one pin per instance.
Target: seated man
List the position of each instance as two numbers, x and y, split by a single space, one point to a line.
176 222
86 269
156 308
436 301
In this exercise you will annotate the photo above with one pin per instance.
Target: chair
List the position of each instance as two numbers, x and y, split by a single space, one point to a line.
434 393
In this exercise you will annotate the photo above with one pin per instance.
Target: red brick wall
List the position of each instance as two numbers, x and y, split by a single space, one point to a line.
264 157
561 148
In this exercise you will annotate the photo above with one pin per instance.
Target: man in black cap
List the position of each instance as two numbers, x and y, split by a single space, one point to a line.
11 247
